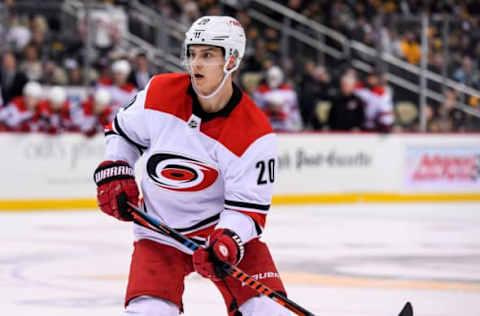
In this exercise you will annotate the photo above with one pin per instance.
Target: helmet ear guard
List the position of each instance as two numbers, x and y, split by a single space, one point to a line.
231 64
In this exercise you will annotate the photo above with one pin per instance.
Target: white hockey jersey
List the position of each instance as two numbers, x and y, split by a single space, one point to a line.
378 107
280 105
202 170
19 118
120 95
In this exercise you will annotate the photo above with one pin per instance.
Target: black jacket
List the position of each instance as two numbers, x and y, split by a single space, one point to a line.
346 113
15 88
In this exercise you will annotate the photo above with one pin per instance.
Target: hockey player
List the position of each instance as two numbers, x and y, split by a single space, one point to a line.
56 111
121 91
209 169
378 103
96 113
22 114
279 102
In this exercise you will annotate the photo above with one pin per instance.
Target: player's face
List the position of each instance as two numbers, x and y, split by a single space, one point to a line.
119 78
99 107
206 67
30 102
56 105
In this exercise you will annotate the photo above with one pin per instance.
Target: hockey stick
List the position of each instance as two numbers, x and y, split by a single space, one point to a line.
149 222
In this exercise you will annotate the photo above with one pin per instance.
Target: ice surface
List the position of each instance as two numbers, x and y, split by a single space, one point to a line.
339 260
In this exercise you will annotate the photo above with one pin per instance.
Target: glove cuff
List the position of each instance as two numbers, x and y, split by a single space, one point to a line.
238 242
112 170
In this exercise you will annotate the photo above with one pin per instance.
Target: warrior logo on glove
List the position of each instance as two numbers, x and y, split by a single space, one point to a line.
115 186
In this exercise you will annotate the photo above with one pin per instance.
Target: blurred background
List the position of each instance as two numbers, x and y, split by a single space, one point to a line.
421 55
376 105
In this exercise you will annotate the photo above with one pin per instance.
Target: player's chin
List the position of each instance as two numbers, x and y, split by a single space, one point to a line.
199 83
203 89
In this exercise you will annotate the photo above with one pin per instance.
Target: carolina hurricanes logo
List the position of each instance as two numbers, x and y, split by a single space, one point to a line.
180 173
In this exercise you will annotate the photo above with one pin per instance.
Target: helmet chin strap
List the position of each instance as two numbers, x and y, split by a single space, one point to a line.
226 73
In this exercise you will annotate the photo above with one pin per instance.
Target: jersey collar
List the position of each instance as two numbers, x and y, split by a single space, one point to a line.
224 112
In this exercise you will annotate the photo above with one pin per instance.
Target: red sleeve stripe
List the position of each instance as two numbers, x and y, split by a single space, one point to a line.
258 219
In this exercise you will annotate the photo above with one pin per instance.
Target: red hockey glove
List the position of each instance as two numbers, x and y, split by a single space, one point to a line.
224 246
115 186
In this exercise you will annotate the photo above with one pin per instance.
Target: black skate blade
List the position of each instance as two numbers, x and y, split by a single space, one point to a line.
407 310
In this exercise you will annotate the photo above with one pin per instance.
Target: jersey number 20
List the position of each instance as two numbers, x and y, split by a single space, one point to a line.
262 177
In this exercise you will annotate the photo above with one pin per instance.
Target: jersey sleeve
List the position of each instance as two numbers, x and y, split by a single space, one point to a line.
15 117
249 183
385 109
127 136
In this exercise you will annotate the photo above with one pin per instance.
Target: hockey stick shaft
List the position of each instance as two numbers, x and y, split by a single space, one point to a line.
149 222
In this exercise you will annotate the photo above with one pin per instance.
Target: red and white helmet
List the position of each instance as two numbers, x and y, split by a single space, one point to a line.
102 97
57 95
121 66
32 89
221 31
274 77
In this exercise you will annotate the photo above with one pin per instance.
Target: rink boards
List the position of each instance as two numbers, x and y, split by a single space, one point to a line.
55 172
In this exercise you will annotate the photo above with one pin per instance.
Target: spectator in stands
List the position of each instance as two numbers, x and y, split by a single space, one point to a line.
466 74
11 79
56 111
167 8
410 48
378 103
22 113
31 65
96 113
272 43
110 24
437 62
190 13
121 91
347 109
141 75
451 118
103 71
314 86
53 74
18 35
214 9
255 62
391 41
279 102
244 19
39 31
74 73
295 5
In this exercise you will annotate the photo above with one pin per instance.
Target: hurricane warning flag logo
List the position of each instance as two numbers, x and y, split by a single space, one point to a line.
180 173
